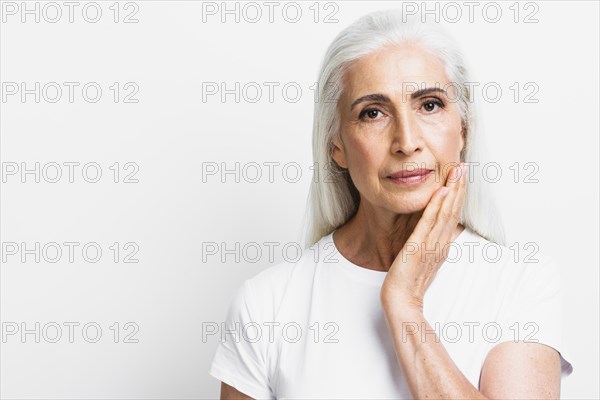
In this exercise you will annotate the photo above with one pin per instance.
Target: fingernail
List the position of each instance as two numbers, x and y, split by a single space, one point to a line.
444 191
456 173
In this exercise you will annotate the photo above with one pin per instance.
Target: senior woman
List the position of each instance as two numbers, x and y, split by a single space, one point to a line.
394 296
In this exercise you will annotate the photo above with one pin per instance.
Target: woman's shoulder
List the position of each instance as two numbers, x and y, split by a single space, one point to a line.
475 248
266 289
295 264
519 270
510 267
526 284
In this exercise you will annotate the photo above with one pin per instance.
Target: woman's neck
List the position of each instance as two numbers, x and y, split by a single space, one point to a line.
372 239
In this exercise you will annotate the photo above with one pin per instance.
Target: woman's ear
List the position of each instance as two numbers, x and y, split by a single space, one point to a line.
338 153
463 139
463 130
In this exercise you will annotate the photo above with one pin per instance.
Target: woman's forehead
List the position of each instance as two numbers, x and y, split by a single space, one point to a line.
394 70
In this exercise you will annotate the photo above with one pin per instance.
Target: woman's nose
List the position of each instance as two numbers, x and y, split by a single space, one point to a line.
407 135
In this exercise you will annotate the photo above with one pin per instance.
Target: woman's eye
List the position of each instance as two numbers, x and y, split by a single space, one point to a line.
369 113
430 105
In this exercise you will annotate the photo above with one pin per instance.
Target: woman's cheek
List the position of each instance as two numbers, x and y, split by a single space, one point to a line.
363 168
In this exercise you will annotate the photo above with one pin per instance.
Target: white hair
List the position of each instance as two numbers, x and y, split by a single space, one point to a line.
333 199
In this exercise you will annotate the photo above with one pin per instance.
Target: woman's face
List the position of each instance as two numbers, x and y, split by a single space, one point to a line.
388 126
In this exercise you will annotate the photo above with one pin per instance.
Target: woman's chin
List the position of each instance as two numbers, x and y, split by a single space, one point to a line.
408 208
411 203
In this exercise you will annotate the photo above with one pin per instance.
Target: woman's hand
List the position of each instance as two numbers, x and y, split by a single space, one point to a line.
426 249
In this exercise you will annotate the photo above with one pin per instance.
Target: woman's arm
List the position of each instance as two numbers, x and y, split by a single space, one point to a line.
521 371
429 370
231 393
511 370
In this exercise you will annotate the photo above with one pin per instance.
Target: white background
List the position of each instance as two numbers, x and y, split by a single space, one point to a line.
170 132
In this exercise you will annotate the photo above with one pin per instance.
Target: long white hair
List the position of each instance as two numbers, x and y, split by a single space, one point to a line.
333 199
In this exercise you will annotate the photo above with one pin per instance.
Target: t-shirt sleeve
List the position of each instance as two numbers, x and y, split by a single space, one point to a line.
534 309
240 359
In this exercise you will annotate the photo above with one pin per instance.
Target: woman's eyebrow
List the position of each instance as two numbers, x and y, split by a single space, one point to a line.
371 97
385 99
425 91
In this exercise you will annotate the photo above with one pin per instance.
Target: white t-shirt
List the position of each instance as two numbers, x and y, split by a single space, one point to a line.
314 327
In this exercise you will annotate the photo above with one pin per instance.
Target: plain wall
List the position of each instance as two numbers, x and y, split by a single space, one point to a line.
168 218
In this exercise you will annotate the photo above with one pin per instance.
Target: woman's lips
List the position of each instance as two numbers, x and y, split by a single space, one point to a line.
410 178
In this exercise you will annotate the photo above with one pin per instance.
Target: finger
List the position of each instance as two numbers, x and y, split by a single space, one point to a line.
421 235
457 205
432 225
454 176
427 220
462 191
445 217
